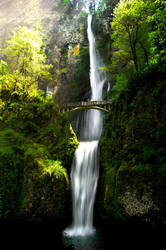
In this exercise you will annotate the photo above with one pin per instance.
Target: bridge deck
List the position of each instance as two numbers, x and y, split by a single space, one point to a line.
88 103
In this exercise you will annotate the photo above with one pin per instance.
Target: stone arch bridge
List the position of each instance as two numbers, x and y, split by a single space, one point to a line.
76 106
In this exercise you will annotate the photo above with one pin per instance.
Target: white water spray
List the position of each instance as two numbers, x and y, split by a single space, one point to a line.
85 167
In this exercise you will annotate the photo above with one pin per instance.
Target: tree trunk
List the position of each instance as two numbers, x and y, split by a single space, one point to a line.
133 50
145 52
135 57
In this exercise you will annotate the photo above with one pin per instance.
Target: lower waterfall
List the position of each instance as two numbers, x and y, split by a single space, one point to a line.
85 167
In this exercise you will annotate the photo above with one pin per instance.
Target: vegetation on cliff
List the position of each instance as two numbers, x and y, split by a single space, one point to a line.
138 38
36 140
133 144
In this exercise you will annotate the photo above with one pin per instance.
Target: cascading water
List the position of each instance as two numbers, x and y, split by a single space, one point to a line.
85 167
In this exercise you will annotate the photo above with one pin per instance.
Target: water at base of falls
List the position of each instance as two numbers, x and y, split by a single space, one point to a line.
79 231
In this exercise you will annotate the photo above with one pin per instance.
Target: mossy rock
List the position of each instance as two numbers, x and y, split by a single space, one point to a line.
133 145
127 194
108 206
45 196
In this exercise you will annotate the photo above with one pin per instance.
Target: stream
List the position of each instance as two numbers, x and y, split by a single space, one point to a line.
49 235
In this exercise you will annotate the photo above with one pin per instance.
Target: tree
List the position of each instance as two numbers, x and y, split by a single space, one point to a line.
26 63
25 53
130 20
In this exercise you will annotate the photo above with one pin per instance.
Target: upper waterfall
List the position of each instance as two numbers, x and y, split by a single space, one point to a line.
97 78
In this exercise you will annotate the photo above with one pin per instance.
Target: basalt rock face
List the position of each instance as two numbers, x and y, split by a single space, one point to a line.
67 51
132 195
133 172
45 197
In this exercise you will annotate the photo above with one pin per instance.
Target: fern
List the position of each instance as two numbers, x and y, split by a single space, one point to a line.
55 168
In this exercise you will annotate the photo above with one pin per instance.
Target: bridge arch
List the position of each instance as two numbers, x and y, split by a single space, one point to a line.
86 108
98 105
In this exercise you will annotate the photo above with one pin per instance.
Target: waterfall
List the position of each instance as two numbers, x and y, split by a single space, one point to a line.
97 79
85 167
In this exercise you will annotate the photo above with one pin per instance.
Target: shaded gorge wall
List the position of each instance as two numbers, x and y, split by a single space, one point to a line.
133 172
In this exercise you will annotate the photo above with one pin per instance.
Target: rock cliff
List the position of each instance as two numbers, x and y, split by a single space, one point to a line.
133 170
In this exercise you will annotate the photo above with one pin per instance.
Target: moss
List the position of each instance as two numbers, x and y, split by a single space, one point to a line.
44 194
36 148
107 199
133 149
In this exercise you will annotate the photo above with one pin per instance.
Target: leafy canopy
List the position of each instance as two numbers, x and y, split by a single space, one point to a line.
24 53
129 17
157 36
138 40
25 64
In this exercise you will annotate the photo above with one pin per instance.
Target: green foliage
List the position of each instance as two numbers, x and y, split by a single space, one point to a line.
24 53
25 65
129 19
133 144
120 86
35 139
56 169
138 29
11 169
3 68
135 126
157 36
